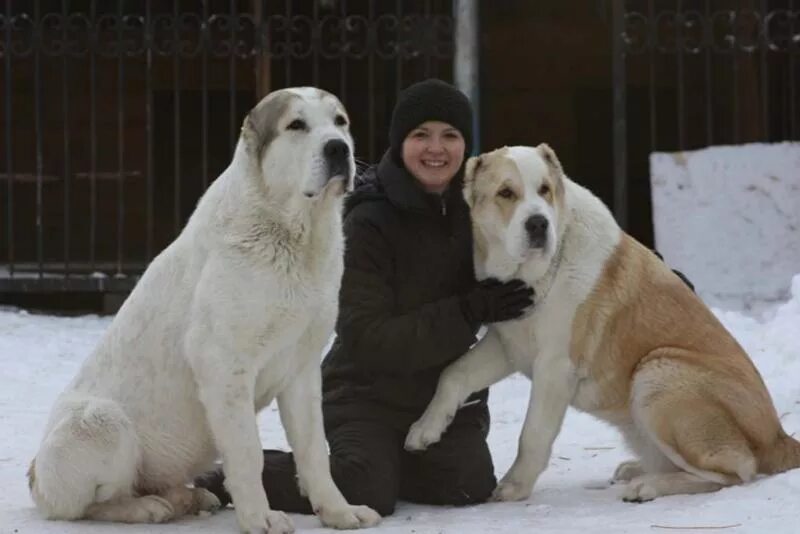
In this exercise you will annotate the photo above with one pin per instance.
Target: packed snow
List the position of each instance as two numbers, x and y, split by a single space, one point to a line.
39 354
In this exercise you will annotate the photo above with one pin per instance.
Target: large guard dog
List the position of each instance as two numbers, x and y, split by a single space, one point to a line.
614 333
233 314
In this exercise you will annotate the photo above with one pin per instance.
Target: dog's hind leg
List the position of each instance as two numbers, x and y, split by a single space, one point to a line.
651 485
89 455
695 433
185 500
146 509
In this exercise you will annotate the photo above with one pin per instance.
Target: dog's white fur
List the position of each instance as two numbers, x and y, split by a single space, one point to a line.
233 314
613 332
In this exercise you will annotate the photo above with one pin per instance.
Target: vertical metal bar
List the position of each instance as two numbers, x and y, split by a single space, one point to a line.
794 51
343 57
120 139
67 171
37 87
9 146
428 53
288 58
652 40
709 39
399 60
232 80
176 121
315 42
204 82
764 73
370 80
466 63
149 131
93 137
735 56
620 117
681 86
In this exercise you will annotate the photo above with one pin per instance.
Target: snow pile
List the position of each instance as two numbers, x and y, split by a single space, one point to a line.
729 217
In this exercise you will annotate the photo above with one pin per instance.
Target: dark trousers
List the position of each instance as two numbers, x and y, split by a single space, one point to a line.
370 467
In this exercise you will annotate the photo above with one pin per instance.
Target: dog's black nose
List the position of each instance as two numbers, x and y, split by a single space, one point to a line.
337 155
536 227
336 150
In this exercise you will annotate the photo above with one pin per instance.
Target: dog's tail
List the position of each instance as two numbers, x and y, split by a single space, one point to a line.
782 456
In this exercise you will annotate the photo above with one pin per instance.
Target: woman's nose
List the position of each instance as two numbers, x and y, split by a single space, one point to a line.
435 145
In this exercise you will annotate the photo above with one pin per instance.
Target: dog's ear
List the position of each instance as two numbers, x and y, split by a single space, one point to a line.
472 167
261 125
250 135
550 158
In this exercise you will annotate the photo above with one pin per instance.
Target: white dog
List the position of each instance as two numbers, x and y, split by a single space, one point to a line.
233 314
614 332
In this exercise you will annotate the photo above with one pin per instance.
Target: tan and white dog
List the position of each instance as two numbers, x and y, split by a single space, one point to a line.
232 315
614 332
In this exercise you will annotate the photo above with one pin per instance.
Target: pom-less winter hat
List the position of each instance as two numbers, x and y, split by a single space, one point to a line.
429 100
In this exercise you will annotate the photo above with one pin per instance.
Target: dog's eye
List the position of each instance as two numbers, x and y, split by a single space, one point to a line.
340 120
506 193
544 190
297 124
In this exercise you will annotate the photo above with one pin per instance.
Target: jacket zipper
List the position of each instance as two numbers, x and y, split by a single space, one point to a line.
444 206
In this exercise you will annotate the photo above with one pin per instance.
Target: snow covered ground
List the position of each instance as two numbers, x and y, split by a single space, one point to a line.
39 354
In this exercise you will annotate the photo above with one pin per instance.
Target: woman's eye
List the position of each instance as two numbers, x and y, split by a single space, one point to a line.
505 193
544 190
297 124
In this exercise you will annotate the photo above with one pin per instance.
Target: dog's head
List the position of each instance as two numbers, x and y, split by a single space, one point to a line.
300 140
516 198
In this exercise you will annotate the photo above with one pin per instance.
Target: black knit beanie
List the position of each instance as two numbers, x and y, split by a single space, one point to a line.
429 100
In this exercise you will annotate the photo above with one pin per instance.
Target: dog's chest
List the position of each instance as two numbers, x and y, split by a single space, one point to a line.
546 331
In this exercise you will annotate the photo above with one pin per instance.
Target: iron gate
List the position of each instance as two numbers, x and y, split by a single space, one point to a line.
116 115
693 73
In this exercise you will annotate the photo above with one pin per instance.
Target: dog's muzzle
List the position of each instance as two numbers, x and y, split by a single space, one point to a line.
337 158
536 228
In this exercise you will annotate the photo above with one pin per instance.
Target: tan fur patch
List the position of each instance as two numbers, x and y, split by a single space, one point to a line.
641 322
495 172
555 178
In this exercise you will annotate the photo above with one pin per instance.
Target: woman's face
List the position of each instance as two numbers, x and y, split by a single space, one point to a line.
433 153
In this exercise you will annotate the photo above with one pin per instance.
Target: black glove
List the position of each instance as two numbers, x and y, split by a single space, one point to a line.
677 272
492 301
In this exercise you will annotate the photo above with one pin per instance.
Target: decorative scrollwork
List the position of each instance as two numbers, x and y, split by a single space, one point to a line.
782 30
187 34
723 32
358 37
24 35
636 33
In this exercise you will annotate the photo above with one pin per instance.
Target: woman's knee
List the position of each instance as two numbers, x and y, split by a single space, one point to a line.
368 483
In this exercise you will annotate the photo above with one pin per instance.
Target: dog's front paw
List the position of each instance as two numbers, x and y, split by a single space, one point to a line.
204 501
348 517
639 490
269 522
153 509
423 433
511 490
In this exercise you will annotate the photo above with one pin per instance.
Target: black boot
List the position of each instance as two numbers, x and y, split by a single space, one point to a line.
213 482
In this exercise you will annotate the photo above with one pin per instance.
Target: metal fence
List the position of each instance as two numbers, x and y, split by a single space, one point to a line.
116 115
694 73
